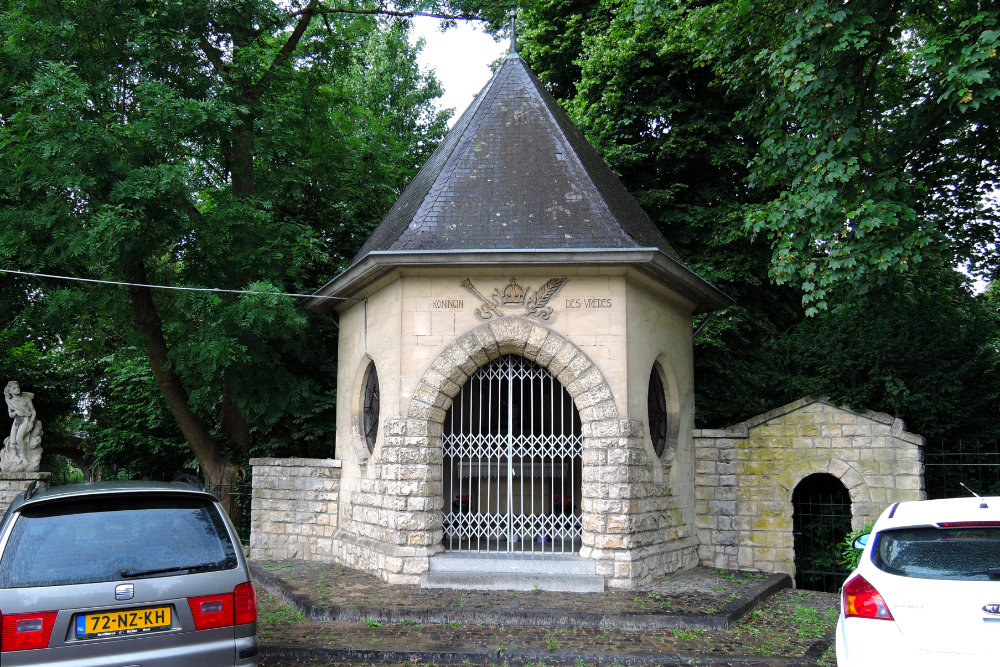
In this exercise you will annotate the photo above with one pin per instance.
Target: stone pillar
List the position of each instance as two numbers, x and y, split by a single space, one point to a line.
13 484
396 516
631 525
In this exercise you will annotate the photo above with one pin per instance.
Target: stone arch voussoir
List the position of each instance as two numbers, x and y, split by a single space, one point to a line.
848 474
512 335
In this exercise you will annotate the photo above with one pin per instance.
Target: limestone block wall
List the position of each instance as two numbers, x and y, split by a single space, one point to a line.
12 484
632 525
294 509
745 476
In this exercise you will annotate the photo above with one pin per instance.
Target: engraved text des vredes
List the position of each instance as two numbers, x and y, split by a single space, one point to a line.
588 303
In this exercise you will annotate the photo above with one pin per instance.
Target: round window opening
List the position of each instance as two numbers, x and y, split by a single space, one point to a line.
369 417
657 408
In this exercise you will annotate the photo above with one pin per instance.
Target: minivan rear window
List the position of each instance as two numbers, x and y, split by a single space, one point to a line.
939 553
115 539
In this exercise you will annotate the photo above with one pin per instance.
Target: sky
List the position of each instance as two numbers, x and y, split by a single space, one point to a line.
460 57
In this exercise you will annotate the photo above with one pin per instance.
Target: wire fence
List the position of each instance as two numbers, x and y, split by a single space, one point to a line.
236 500
821 518
975 463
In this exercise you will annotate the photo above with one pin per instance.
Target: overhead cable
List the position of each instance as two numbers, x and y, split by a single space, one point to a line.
214 290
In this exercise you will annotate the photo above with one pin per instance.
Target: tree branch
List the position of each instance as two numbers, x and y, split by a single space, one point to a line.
305 16
315 8
325 11
877 54
215 59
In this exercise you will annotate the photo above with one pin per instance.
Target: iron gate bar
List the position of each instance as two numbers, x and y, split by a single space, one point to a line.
510 441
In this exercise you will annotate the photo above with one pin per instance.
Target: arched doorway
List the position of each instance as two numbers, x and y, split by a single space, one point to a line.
512 462
821 518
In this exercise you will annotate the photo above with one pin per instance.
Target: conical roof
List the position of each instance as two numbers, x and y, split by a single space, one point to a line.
515 173
516 181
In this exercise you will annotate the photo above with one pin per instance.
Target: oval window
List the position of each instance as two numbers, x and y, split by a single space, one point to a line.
369 417
657 409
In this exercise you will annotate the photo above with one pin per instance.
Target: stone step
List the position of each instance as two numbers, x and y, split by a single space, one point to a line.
511 572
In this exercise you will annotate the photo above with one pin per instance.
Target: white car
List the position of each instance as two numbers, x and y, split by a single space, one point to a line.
927 589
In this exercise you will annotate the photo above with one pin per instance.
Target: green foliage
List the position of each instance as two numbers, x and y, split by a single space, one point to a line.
129 430
878 135
235 146
849 556
925 351
700 149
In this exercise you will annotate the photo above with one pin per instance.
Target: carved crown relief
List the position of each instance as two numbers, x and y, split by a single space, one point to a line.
535 303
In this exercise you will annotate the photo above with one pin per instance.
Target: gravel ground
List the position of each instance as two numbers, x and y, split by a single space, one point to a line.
792 624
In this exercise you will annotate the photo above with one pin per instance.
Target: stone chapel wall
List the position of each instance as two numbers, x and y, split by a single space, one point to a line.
745 476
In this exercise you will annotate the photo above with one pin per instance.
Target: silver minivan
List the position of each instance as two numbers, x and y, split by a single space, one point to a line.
123 574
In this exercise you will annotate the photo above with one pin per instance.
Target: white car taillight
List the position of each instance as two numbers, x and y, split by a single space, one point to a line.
861 600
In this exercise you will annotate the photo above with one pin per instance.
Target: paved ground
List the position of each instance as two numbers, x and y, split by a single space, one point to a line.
322 614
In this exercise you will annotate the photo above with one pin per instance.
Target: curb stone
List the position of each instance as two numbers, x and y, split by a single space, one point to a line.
517 657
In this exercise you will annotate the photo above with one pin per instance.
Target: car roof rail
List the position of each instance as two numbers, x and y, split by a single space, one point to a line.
186 478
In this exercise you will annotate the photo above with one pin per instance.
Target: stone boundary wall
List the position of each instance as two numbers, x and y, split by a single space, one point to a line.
294 509
12 484
745 476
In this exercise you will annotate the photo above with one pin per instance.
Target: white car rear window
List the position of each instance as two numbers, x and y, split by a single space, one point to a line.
939 553
100 540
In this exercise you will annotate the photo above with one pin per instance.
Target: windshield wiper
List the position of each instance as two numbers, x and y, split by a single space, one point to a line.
131 574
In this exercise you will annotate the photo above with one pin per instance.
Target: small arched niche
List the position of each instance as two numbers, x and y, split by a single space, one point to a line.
821 518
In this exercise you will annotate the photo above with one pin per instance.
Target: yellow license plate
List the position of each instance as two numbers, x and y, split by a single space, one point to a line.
127 622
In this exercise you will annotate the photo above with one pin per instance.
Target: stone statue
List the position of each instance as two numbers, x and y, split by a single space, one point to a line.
22 451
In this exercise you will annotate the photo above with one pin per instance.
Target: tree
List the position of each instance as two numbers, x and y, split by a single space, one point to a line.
684 143
666 127
878 126
240 146
926 351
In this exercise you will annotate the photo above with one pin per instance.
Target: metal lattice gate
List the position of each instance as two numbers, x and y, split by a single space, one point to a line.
821 518
512 462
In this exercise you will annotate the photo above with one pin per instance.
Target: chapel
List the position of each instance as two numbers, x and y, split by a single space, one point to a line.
515 383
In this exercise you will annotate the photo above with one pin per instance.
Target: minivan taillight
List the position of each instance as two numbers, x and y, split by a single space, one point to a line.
26 631
246 603
860 599
212 611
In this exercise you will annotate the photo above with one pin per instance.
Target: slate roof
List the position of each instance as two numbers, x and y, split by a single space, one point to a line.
515 173
515 182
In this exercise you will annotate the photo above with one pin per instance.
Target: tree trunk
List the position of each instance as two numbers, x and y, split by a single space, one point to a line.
241 157
234 424
214 466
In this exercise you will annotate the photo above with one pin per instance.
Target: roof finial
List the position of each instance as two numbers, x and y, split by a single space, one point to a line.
513 34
